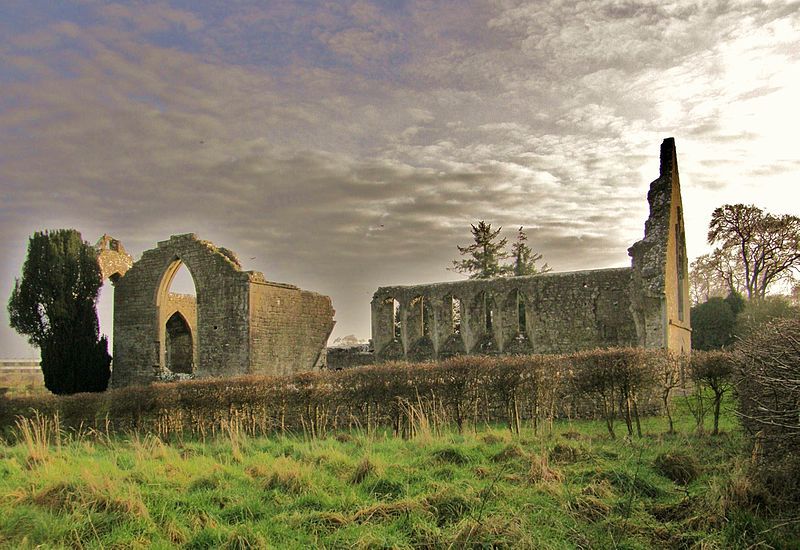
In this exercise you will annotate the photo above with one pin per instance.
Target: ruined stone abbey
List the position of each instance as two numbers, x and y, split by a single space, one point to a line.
240 323
644 305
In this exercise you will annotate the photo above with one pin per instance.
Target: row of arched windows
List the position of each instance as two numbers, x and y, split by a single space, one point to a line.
419 316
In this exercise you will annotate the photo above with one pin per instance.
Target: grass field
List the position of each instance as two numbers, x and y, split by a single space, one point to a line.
571 488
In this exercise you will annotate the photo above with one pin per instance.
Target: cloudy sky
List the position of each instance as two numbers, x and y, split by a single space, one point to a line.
345 145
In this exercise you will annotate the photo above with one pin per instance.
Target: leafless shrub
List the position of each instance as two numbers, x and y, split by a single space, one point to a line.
768 385
412 400
714 370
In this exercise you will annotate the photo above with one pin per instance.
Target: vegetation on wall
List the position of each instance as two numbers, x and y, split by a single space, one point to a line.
768 387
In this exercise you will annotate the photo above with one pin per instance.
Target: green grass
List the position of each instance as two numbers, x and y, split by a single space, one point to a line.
573 488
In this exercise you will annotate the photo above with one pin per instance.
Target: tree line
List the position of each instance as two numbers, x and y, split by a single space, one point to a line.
732 287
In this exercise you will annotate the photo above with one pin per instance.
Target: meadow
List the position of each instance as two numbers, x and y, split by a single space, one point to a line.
569 485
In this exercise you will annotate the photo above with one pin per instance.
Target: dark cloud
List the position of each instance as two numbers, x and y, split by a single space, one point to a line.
348 145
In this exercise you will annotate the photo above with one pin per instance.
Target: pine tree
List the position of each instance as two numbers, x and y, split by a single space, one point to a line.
484 256
524 258
54 305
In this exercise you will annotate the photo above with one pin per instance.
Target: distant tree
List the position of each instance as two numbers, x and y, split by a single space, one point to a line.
54 305
714 322
757 313
713 276
485 255
524 259
754 247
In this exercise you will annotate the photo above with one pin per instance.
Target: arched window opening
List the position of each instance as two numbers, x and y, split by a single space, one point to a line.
395 317
488 312
182 282
455 309
419 317
680 249
522 320
179 349
177 315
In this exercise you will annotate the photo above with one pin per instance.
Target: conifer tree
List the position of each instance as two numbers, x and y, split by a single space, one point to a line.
54 305
485 255
524 258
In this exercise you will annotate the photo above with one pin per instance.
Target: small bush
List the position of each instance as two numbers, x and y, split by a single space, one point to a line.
385 489
589 507
452 455
510 452
566 454
364 468
449 507
540 471
679 467
627 483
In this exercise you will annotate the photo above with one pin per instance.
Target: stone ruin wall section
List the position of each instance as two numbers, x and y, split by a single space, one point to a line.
563 312
660 283
222 335
289 328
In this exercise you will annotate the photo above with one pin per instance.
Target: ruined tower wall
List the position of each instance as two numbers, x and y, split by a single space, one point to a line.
289 328
560 312
660 283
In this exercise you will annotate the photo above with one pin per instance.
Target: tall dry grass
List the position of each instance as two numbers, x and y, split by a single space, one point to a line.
39 433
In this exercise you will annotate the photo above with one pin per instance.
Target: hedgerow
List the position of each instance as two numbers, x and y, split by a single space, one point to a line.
406 398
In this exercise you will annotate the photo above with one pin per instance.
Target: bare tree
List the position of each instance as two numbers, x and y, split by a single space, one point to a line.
758 247
715 275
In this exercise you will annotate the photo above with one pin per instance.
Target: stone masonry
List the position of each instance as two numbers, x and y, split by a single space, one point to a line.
112 258
240 323
645 305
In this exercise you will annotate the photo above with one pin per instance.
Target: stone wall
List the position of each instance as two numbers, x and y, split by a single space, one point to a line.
644 305
349 357
660 289
239 323
19 374
550 313
112 258
289 328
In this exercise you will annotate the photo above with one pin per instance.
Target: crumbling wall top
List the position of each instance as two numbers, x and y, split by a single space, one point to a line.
649 255
113 259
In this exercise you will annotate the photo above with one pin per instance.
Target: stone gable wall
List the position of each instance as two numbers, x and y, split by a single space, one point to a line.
289 328
239 322
141 305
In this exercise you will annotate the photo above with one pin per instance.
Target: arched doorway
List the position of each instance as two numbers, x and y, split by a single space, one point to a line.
179 351
177 319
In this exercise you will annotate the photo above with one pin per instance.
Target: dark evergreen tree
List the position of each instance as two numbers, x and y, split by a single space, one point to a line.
713 324
54 305
484 257
524 258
